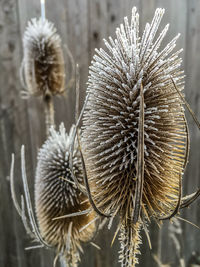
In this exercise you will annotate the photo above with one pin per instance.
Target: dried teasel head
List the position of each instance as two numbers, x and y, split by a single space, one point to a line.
134 128
43 63
56 195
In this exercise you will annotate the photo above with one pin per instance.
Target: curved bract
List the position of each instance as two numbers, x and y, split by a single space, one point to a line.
56 195
111 130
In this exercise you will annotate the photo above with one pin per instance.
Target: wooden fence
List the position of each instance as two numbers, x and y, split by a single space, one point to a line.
83 24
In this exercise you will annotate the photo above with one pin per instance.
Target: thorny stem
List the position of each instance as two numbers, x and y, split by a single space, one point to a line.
77 92
43 15
130 241
49 112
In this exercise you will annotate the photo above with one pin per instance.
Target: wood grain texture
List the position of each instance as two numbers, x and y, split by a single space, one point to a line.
83 24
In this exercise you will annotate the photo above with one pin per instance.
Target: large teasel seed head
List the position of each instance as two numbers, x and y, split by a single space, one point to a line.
111 122
43 62
56 195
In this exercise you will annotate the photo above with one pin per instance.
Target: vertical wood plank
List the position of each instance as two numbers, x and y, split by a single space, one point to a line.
192 67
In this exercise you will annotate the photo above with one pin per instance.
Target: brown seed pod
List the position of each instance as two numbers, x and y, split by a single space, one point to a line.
43 62
56 195
134 128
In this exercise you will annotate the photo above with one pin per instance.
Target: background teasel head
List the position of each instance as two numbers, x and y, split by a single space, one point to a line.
56 195
43 63
134 128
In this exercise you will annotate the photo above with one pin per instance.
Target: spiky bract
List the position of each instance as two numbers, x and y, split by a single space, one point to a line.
56 195
110 121
43 60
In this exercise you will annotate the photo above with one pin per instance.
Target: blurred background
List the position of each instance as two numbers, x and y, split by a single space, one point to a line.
82 25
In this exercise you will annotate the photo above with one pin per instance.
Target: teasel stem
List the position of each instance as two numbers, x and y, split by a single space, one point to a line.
43 12
130 241
77 92
49 112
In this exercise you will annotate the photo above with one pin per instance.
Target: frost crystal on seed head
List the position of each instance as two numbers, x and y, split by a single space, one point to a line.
53 169
43 62
56 195
111 120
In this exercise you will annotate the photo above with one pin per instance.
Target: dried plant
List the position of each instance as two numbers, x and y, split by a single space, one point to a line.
57 197
135 140
64 214
43 62
59 204
43 68
135 135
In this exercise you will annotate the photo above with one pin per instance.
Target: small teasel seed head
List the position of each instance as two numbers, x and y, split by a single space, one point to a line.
56 195
43 62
